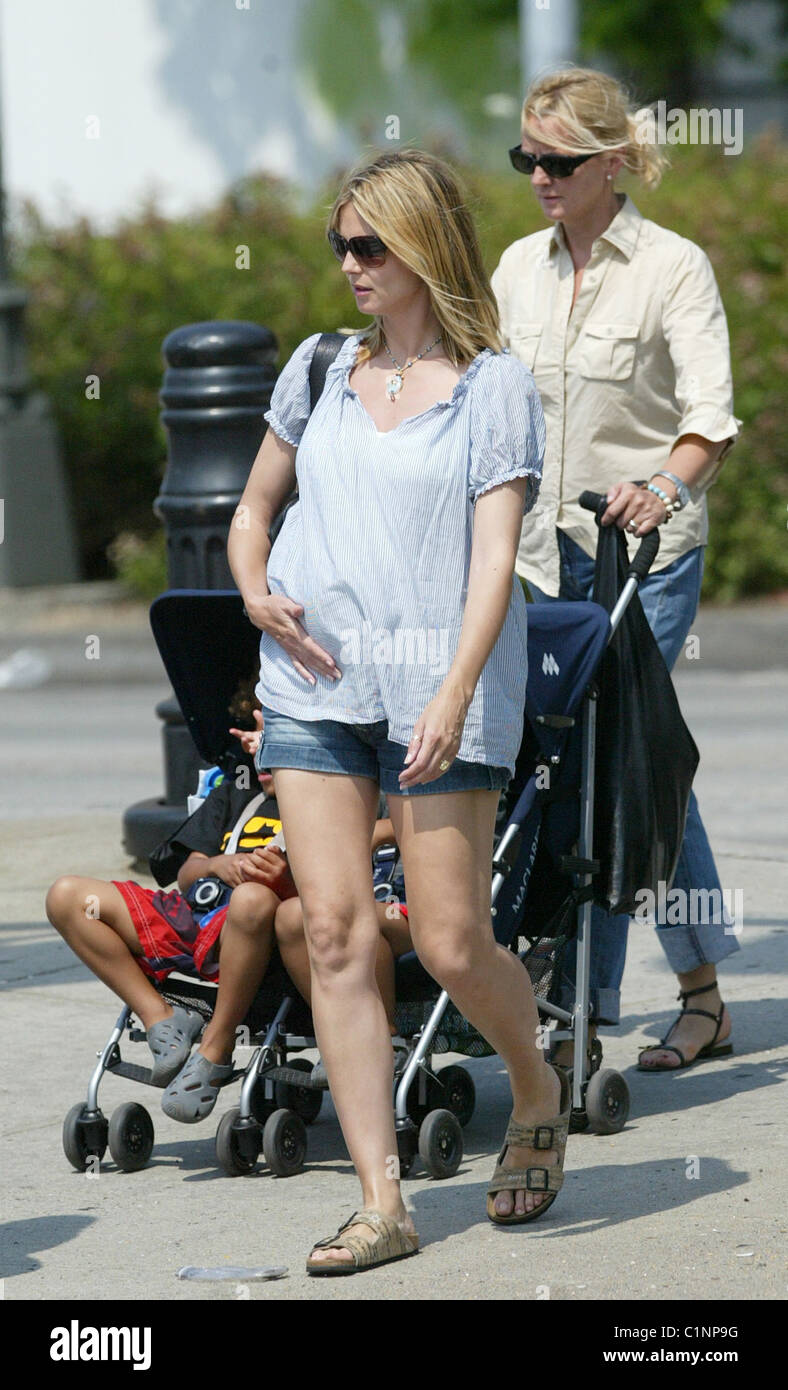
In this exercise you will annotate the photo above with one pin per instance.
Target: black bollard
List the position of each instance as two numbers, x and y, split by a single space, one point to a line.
217 385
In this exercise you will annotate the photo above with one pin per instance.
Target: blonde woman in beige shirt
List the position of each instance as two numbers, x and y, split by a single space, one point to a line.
621 322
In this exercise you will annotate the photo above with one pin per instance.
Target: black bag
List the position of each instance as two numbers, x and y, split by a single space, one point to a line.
326 350
646 757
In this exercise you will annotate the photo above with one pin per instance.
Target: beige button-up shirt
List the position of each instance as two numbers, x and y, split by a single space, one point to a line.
642 358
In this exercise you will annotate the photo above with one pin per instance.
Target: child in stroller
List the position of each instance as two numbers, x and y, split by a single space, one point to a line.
232 880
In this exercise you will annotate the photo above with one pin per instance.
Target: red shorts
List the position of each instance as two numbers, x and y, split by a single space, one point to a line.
170 936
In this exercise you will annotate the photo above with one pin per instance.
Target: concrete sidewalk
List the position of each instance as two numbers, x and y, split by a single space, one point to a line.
637 1217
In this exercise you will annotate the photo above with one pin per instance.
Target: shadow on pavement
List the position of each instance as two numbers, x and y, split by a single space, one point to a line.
40 1233
703 1086
591 1200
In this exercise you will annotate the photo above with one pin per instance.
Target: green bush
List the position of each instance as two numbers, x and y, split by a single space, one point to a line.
141 565
102 304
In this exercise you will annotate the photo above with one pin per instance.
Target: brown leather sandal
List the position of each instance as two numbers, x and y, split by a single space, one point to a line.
390 1243
704 1053
548 1136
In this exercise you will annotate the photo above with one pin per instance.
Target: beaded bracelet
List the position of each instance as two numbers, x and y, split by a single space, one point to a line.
663 497
683 497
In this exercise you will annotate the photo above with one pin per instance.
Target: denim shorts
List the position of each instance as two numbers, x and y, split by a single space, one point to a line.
361 750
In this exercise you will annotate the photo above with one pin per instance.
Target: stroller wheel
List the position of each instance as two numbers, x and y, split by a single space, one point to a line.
237 1146
305 1102
84 1139
607 1102
284 1143
130 1136
440 1144
458 1092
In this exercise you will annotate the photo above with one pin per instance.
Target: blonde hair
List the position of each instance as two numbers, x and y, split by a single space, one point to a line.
596 113
412 201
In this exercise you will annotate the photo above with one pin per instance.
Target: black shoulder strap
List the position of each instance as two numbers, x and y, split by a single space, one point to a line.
326 349
328 346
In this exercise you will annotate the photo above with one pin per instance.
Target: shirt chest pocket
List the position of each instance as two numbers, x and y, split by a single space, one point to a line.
606 351
524 341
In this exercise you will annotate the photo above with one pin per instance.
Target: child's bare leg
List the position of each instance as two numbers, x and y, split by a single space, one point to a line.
394 941
291 940
94 921
244 952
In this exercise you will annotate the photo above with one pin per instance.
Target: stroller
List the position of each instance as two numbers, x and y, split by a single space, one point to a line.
542 887
208 646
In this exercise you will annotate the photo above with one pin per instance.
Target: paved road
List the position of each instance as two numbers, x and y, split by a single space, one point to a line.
632 1221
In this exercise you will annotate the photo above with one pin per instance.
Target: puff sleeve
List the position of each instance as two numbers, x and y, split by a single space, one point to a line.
507 428
290 408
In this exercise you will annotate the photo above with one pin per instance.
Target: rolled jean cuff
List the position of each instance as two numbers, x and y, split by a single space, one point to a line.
704 944
604 1004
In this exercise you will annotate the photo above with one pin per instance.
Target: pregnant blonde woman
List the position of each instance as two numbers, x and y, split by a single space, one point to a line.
414 472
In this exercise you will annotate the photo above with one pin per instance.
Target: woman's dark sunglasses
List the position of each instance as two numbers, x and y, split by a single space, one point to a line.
556 166
367 250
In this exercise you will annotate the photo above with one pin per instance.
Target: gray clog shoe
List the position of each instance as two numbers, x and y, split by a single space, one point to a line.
193 1093
171 1041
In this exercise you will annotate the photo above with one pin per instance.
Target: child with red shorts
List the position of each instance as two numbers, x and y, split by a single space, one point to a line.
131 936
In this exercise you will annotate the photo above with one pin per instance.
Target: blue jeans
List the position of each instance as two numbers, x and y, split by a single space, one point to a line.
670 601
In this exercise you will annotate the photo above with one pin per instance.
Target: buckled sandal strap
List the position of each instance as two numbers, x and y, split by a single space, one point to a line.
702 989
389 1242
534 1136
527 1179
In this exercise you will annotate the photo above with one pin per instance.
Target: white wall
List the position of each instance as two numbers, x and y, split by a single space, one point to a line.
190 94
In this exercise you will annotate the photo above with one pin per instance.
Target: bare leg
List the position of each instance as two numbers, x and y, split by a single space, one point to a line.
244 952
693 1033
446 843
328 820
93 919
291 940
563 1053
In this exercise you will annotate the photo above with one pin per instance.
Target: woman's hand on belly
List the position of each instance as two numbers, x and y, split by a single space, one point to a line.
437 734
278 616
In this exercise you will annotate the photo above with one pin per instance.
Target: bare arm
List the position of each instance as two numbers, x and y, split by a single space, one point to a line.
497 523
692 458
270 483
224 866
498 517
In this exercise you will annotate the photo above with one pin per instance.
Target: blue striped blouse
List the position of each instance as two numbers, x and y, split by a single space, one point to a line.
377 549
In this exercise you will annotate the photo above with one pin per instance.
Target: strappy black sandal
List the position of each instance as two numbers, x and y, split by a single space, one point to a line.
711 1050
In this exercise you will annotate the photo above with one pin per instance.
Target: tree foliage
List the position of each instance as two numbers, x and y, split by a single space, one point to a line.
102 305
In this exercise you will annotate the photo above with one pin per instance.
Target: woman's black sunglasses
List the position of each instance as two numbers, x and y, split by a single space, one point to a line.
556 166
367 250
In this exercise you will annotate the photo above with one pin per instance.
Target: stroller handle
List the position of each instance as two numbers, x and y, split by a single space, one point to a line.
647 550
